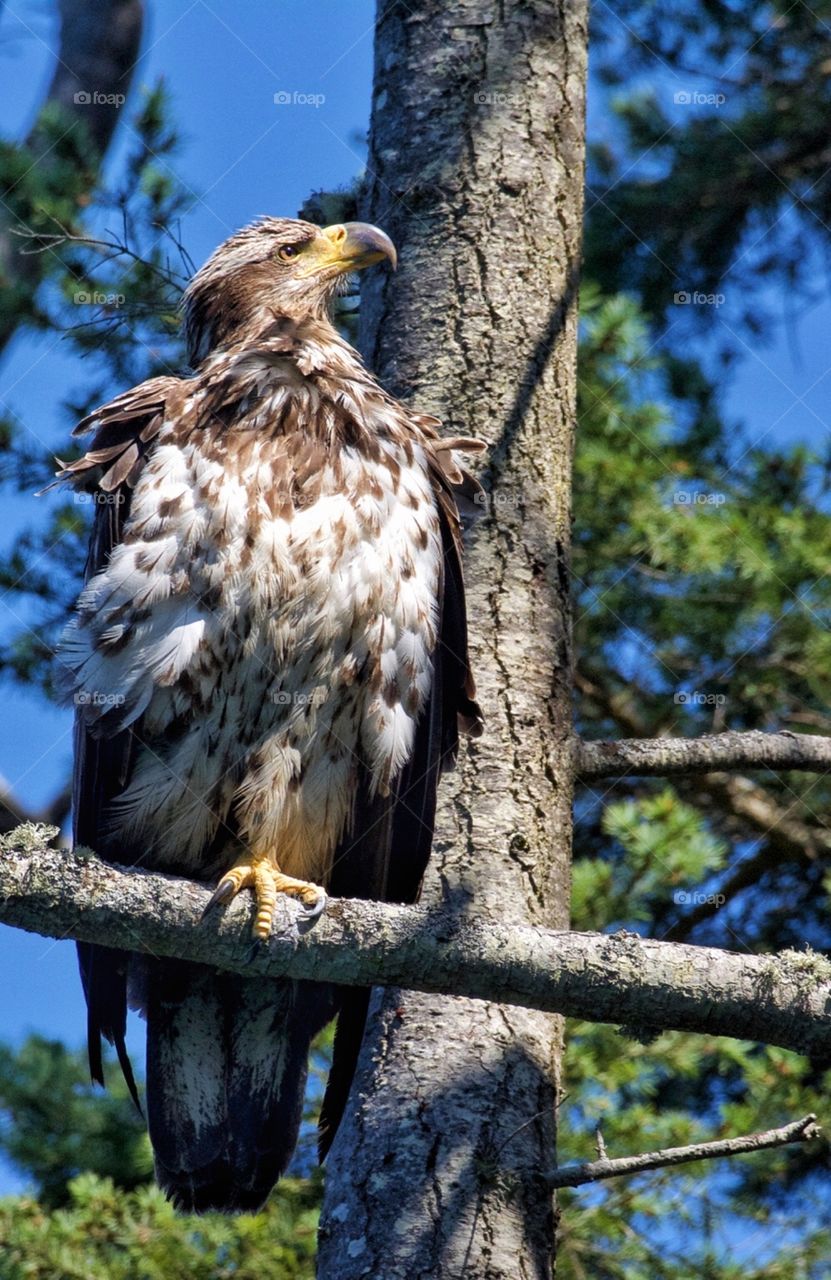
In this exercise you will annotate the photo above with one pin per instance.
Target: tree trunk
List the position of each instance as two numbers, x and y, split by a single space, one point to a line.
476 170
96 58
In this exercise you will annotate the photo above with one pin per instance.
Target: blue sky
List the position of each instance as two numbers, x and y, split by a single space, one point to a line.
243 155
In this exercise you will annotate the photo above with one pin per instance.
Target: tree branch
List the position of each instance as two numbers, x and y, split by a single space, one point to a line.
596 1170
13 812
740 801
618 978
665 757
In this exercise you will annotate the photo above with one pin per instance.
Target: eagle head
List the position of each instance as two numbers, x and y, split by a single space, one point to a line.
275 266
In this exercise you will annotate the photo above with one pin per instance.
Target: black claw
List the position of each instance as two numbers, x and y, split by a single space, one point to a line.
222 893
317 909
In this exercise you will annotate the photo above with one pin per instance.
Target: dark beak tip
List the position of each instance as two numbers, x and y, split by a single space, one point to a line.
373 240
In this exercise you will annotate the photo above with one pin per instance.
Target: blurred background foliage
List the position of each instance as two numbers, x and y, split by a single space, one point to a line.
93 1212
702 599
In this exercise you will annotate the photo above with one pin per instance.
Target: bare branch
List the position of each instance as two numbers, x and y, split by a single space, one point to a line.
741 802
665 757
110 250
754 806
620 978
803 1130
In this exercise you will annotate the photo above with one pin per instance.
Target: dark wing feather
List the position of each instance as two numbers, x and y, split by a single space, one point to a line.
226 1068
125 430
386 854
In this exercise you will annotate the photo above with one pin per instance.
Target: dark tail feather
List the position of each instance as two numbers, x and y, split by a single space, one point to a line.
354 1005
226 1071
104 977
127 1071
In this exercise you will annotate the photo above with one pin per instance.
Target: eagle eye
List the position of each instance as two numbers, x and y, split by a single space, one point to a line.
288 251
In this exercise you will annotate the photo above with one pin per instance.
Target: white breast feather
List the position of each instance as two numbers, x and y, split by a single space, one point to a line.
286 721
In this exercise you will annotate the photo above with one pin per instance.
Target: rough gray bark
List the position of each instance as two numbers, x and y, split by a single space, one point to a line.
475 169
666 757
619 978
98 48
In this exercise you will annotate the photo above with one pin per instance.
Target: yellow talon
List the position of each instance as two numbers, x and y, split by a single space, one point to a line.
265 878
266 894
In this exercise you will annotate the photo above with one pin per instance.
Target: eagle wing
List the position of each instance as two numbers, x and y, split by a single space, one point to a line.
124 433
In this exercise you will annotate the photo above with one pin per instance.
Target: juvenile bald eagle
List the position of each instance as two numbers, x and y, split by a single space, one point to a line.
269 665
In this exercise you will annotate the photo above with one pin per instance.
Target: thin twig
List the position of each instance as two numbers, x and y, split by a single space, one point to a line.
109 250
597 1170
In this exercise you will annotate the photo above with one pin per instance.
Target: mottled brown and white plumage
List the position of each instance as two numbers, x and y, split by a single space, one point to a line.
269 662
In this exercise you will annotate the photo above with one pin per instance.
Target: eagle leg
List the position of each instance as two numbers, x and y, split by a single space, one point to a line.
260 873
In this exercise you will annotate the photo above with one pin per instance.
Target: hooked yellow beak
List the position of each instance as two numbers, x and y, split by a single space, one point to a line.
348 246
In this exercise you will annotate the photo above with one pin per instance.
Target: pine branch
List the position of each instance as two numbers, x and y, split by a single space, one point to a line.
619 978
803 1130
785 835
665 757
